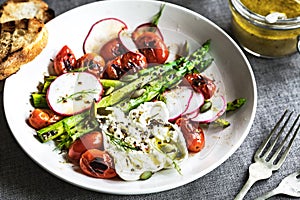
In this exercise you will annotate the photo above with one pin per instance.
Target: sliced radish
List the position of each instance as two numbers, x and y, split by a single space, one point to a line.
177 101
196 100
147 27
192 114
217 109
126 38
73 92
101 32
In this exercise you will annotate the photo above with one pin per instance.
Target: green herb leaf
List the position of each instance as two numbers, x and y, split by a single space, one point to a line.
156 17
121 143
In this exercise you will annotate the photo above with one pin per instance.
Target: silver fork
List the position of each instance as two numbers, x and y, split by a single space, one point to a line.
290 185
263 168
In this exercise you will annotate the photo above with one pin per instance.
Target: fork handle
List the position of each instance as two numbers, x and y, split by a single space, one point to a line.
255 174
245 188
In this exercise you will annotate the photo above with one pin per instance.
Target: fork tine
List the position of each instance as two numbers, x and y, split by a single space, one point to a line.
265 142
283 157
277 137
285 138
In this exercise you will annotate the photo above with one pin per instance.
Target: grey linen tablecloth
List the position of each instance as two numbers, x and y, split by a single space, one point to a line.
278 84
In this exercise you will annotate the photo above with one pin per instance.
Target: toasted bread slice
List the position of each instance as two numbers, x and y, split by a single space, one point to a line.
19 9
20 42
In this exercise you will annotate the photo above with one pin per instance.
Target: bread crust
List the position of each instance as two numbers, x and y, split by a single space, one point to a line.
36 41
19 9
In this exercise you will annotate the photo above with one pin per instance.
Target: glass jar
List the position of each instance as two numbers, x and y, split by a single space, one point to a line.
270 36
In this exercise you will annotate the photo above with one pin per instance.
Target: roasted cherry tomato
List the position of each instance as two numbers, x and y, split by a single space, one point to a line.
112 49
193 134
92 63
153 47
201 83
92 140
64 61
127 63
97 163
40 118
147 27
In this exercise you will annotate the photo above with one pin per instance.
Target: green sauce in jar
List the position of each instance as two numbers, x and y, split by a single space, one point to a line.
268 28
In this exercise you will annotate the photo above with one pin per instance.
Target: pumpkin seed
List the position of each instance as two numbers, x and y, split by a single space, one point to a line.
146 175
206 106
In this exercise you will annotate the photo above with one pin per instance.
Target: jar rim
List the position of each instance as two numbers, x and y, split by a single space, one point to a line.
260 20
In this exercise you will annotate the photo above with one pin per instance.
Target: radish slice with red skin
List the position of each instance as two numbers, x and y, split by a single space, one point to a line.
101 32
218 108
147 27
177 101
196 100
74 92
126 39
191 115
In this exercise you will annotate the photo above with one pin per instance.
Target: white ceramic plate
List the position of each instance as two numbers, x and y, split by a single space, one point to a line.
178 24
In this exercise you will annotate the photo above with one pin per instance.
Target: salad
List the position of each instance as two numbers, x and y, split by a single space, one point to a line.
130 106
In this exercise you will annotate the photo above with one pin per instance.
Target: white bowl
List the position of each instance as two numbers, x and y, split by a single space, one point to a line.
231 70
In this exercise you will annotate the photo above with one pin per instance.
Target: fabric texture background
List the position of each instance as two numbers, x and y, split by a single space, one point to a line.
278 85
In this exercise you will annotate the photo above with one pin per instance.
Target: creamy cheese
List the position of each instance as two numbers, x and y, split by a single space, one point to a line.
143 140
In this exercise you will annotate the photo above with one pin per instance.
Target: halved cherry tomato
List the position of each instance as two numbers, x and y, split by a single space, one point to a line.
92 63
64 61
97 163
40 118
201 83
153 47
129 62
92 140
193 134
112 49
